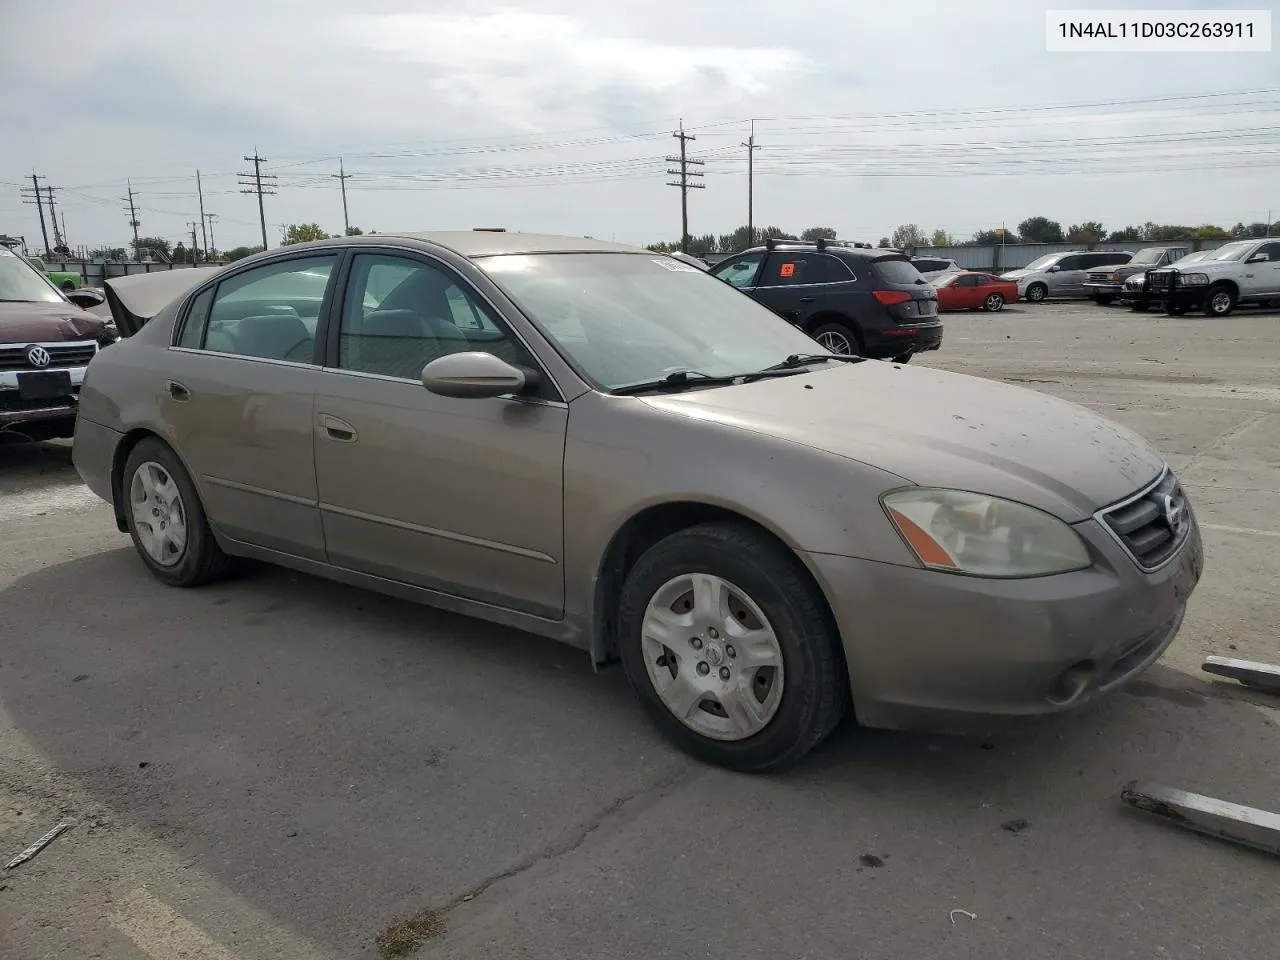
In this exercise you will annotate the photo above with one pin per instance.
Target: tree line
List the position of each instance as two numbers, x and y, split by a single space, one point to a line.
1044 230
158 248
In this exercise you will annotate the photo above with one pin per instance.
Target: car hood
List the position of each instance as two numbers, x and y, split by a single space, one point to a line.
1017 274
940 429
48 323
137 298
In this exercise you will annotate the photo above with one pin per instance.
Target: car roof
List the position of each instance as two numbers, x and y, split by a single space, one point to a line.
492 243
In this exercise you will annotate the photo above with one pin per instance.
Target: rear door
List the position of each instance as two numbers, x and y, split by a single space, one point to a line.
792 283
1068 279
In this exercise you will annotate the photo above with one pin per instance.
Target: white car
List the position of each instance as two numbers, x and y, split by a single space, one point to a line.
933 267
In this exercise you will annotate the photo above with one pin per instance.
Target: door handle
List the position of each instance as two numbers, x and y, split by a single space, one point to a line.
336 429
808 299
178 391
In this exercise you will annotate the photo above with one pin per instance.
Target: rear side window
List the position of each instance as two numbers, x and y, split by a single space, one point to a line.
897 270
831 269
197 315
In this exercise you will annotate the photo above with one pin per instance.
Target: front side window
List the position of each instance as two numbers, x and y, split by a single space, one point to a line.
270 312
740 273
628 318
1270 250
400 314
19 282
788 269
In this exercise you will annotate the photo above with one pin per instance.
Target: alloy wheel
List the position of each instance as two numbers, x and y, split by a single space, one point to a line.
836 342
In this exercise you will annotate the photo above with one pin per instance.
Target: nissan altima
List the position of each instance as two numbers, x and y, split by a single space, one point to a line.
612 448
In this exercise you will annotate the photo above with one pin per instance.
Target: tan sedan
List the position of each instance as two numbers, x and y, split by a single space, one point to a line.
610 447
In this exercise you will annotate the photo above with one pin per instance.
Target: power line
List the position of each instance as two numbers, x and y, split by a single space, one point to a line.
684 182
253 181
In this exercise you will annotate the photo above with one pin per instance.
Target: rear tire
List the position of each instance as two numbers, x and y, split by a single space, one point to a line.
158 495
1139 307
1102 299
718 613
1037 292
994 303
838 338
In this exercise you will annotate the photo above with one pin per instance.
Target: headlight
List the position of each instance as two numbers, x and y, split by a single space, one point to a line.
1115 277
1192 279
983 536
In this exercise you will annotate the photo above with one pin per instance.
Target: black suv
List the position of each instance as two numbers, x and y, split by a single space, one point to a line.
851 299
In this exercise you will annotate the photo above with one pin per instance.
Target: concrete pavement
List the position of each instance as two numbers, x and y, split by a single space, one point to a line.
282 767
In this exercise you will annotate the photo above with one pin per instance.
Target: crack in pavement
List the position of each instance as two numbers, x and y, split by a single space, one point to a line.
572 843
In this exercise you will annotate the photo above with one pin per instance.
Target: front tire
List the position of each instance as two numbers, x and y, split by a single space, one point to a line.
166 519
68 286
1219 301
994 303
838 338
730 648
1103 299
1037 292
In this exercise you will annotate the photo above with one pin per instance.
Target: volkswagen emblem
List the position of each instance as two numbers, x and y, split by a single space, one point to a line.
1174 510
38 356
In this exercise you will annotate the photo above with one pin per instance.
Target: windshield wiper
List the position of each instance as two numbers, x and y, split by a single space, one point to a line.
804 359
683 379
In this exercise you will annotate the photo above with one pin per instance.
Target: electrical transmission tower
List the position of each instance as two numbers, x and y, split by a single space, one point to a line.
133 217
253 183
685 183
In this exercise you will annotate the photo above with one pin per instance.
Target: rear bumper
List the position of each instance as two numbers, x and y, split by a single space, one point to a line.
890 342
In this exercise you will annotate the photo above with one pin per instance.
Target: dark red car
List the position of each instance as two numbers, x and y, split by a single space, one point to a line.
47 339
972 290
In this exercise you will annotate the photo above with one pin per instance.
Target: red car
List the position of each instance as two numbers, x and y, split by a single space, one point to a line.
974 291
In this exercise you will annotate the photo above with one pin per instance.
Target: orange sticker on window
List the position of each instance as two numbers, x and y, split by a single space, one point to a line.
787 270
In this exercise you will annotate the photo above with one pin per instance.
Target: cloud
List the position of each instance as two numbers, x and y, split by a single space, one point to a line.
532 69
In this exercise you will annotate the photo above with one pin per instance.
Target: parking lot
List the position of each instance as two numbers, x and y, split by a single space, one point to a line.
280 767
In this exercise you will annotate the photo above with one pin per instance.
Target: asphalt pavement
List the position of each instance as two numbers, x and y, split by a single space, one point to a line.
278 767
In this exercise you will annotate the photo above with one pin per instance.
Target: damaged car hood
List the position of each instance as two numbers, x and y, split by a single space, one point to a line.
48 323
138 298
936 428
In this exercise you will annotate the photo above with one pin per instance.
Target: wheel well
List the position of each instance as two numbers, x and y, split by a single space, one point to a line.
1229 284
640 533
123 449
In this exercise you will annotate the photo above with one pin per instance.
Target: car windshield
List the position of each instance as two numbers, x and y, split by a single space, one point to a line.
1149 255
1193 257
1231 251
627 318
20 282
1041 262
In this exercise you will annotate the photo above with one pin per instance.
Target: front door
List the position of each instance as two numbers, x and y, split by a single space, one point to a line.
462 496
1262 277
237 399
791 285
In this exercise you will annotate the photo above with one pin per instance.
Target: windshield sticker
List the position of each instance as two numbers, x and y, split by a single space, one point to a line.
787 270
674 265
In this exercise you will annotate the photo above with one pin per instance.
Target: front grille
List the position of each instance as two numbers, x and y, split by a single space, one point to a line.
61 355
1152 524
1159 281
1100 276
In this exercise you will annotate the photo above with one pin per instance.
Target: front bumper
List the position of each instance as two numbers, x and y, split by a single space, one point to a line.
15 410
904 338
945 653
1103 289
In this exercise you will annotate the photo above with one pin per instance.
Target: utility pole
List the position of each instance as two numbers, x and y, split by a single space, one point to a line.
684 183
212 243
751 150
342 177
133 218
252 183
195 259
66 242
37 197
200 194
58 240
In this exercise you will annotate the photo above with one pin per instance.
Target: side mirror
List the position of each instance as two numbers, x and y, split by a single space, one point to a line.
86 298
1054 269
476 376
1259 258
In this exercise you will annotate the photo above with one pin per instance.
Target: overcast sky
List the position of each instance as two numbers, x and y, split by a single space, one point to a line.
556 117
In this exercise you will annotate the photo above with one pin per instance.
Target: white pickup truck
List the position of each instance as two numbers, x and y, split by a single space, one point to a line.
1243 271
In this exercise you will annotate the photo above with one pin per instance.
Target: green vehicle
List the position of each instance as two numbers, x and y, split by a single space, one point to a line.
62 279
